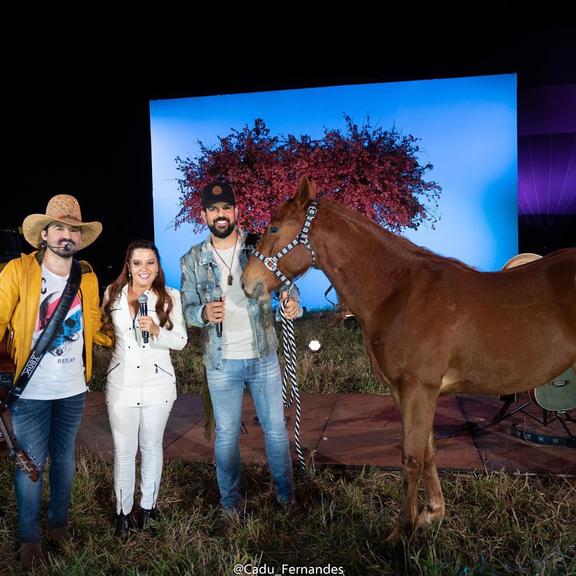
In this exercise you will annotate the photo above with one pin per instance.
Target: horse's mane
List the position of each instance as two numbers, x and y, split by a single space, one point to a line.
403 245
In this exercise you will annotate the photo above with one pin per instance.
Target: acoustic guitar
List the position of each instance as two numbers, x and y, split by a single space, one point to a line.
7 371
558 395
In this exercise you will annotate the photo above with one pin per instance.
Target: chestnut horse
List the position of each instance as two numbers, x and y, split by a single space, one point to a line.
432 325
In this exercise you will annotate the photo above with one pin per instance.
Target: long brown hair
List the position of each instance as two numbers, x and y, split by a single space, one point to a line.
164 303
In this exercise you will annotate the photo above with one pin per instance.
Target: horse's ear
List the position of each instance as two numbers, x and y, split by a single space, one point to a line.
306 192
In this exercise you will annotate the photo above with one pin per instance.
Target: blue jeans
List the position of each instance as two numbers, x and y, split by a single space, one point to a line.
46 428
262 378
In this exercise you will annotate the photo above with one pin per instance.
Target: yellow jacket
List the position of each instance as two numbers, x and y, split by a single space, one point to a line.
19 301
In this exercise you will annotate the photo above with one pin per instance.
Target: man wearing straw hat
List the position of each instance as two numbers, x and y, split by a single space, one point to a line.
49 304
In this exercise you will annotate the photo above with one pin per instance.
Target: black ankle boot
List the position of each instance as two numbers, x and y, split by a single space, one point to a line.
122 525
145 517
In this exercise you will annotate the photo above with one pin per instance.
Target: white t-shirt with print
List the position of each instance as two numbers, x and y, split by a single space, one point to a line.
60 373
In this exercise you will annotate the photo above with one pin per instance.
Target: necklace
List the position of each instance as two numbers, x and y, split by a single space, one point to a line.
230 277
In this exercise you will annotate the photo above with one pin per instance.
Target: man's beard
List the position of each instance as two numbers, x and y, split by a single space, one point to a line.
222 233
64 249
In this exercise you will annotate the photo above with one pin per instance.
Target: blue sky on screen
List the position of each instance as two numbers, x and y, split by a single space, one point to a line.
466 128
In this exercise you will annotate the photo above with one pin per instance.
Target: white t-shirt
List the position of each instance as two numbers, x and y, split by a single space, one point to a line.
60 373
237 338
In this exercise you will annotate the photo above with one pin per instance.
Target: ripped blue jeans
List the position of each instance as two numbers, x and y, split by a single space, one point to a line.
46 428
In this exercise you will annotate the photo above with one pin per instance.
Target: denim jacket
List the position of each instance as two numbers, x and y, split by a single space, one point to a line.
200 275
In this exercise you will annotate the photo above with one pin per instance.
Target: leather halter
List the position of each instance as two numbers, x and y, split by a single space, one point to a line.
271 262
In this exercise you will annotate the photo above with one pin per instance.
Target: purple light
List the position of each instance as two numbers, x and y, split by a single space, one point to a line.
547 150
547 174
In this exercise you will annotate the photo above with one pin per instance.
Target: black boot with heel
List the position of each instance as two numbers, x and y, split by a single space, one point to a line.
122 525
147 519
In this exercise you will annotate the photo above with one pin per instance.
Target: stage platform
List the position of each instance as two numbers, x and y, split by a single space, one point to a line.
364 430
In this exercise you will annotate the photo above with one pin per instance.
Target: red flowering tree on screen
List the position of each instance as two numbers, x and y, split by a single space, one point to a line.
371 170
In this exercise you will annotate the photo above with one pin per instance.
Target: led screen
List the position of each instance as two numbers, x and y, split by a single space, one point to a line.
466 128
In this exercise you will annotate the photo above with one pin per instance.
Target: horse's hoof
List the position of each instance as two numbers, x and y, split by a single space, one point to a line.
430 516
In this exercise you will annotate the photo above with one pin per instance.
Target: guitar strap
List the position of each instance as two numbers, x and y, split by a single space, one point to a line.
48 335
538 438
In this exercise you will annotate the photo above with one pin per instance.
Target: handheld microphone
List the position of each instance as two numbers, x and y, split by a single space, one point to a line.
217 296
143 303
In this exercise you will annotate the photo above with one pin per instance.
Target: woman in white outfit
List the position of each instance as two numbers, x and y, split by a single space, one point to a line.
141 385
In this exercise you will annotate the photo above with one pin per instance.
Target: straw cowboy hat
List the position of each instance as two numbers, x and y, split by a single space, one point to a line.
65 209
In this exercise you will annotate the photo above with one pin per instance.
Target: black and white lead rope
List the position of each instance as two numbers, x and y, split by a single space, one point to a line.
288 336
290 390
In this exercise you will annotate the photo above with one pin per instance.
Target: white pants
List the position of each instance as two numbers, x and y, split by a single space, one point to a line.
133 426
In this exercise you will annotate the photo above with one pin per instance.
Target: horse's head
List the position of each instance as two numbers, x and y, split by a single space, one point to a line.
258 279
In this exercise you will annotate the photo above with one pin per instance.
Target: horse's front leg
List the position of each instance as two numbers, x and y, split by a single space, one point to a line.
434 506
417 403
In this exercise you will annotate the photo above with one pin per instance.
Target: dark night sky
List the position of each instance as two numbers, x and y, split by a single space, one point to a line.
76 110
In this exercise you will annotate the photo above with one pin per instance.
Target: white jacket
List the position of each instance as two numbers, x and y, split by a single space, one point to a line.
142 374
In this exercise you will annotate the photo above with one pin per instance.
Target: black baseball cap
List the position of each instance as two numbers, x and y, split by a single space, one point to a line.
217 191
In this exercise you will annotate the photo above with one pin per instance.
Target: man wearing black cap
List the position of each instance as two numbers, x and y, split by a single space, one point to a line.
239 346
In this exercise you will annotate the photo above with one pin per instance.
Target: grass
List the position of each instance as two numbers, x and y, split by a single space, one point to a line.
495 523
